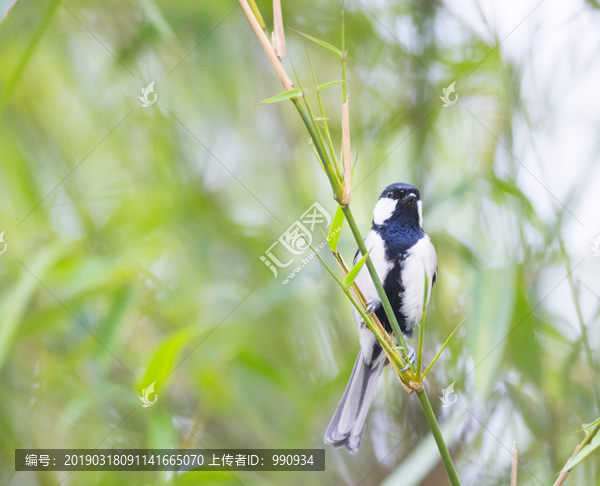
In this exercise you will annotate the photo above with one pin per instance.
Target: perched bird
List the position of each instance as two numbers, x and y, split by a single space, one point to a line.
401 253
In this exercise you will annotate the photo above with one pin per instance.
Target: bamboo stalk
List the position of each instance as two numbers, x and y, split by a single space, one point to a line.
588 438
346 154
565 470
320 148
422 328
344 95
258 16
439 439
267 46
278 32
377 282
393 357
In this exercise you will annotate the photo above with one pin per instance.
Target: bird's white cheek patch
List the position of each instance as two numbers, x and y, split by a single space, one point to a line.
383 210
420 208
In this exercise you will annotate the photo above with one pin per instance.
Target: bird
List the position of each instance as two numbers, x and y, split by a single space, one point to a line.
402 254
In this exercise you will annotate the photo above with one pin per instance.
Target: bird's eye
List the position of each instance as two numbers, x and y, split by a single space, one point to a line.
390 195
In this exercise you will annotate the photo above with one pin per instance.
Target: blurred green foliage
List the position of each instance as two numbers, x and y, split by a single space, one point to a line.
134 235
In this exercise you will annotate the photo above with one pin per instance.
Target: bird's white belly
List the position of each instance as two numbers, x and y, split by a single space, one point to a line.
421 259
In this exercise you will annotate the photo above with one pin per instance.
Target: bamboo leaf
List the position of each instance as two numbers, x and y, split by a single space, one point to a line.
331 272
325 126
353 273
323 44
312 146
163 360
326 85
586 452
336 226
588 426
422 330
286 95
444 346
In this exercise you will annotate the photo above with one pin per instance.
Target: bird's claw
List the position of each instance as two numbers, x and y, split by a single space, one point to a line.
412 356
370 307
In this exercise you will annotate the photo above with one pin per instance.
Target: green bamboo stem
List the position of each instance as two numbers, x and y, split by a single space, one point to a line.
338 190
422 329
439 439
325 125
382 295
391 351
352 299
394 358
591 435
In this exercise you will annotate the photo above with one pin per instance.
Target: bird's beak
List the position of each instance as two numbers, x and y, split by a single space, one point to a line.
410 197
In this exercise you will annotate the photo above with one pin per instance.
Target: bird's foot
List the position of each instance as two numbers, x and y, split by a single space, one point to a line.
412 356
370 307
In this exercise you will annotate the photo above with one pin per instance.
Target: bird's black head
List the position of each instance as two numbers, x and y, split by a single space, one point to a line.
399 203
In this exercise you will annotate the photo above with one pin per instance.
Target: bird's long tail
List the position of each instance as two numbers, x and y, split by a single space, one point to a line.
348 423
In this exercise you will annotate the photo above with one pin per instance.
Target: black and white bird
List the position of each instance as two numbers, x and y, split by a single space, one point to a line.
402 253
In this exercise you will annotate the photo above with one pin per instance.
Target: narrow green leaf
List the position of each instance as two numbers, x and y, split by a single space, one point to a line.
588 426
286 95
444 346
256 12
591 435
325 126
324 44
422 326
326 85
163 360
312 146
353 273
331 272
586 451
335 229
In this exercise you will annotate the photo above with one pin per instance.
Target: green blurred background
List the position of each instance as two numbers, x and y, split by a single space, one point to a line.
134 233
